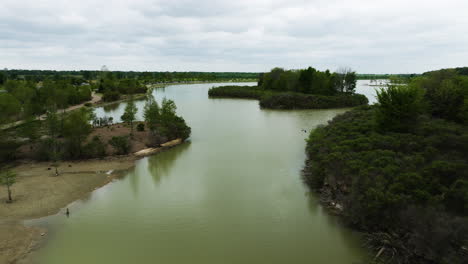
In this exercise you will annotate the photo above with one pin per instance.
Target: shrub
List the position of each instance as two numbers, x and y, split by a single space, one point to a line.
120 144
399 107
252 92
377 174
110 96
305 101
95 148
141 127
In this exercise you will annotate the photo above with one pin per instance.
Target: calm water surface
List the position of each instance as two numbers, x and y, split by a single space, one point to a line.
233 194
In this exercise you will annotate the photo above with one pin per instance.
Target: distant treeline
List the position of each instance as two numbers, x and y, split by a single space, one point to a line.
364 76
160 77
458 70
25 99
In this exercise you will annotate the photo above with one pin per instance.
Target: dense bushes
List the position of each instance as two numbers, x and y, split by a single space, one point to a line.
120 144
302 101
289 100
399 168
309 81
399 107
232 91
96 148
110 96
163 122
29 98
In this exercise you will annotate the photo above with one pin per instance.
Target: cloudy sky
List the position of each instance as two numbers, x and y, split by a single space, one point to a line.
371 36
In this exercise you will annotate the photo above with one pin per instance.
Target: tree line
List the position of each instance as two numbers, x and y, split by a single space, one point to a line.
146 77
24 99
309 81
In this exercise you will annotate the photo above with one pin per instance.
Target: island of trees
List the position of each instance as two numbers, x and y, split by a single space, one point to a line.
398 170
299 89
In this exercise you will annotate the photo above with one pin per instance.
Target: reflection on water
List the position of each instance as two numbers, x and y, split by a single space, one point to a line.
233 194
159 166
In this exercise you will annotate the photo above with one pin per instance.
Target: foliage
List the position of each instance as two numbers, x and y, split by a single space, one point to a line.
76 129
110 96
95 148
8 178
120 144
381 174
151 113
172 125
399 107
445 93
129 115
8 148
141 127
289 100
304 101
309 81
9 107
236 92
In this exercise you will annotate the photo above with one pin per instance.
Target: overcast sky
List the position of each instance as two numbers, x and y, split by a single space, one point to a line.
378 36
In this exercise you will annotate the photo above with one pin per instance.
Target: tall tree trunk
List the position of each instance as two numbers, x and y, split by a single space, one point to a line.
9 194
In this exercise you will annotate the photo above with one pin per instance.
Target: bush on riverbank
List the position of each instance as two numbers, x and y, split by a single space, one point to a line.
304 101
232 91
289 100
404 179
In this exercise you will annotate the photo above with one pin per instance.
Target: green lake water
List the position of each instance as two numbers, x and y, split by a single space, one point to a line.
232 194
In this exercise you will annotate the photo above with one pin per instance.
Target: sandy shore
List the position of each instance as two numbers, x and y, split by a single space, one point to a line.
38 192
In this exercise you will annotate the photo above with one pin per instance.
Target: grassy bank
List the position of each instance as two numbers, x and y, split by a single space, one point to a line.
288 100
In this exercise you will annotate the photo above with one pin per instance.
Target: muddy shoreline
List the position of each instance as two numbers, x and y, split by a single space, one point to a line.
39 193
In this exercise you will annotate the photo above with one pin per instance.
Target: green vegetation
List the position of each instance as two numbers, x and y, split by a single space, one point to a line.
121 144
399 169
308 81
163 122
307 101
8 178
232 91
144 77
129 115
299 89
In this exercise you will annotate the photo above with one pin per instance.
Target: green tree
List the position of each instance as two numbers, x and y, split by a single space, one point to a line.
399 107
8 178
9 107
151 113
350 82
77 127
129 115
54 130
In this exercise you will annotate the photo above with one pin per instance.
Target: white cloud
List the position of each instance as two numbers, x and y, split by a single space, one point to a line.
243 35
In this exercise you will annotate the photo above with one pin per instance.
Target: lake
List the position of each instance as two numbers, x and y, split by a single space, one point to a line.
232 194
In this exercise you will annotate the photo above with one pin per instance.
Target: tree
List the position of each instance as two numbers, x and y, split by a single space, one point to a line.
399 107
151 113
350 82
129 115
8 178
76 129
345 79
9 107
54 129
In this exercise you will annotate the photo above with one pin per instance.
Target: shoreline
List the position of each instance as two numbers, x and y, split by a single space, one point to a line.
38 193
